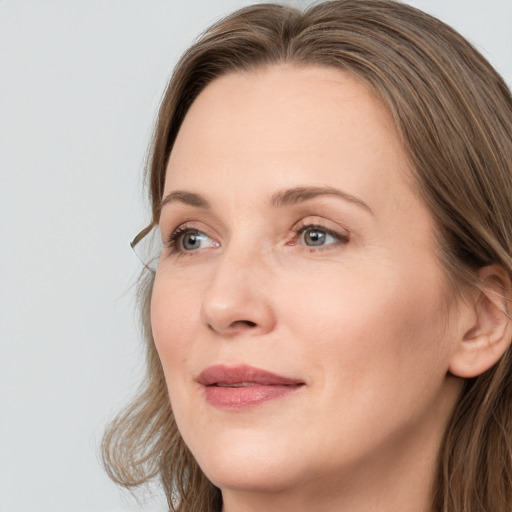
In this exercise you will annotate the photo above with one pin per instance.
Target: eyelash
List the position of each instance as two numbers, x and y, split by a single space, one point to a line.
173 240
304 226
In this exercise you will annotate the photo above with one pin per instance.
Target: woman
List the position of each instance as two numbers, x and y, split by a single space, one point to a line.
329 315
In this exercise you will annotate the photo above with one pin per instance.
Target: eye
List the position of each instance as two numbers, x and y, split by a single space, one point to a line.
315 237
186 239
319 236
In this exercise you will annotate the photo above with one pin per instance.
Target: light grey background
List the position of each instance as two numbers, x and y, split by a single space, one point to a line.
80 82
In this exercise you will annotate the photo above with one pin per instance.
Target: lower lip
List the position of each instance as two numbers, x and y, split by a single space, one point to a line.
236 398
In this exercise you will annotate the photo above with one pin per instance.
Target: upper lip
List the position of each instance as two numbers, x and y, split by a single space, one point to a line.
230 375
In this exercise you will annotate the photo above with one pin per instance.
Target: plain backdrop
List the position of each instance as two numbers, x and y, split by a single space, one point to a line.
80 82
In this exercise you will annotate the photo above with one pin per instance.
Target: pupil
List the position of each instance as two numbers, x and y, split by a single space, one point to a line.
190 241
315 237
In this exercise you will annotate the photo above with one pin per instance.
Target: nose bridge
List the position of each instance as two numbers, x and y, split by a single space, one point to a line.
236 299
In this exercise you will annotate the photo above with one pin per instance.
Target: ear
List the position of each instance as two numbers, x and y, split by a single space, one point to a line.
487 332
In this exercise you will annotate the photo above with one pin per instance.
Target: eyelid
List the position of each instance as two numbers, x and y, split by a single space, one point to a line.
342 235
170 241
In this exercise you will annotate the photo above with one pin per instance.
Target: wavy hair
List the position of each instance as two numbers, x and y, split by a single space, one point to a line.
453 113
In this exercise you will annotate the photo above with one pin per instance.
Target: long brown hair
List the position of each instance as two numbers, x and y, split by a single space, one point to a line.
454 115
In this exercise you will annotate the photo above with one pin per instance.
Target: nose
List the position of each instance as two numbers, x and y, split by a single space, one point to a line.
237 300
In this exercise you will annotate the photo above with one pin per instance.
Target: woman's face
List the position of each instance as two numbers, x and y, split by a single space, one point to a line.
299 309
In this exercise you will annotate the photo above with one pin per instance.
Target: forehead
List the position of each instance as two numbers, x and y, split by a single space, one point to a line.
285 126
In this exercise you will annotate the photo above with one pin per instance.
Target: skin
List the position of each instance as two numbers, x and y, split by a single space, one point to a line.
365 320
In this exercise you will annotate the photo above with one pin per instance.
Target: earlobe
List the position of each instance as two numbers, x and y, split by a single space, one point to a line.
488 331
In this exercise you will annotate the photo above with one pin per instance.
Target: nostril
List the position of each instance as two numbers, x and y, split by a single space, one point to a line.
241 324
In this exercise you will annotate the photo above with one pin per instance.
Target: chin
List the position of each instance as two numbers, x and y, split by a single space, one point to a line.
256 476
241 462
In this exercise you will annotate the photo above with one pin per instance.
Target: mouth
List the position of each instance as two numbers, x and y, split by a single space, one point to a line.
240 387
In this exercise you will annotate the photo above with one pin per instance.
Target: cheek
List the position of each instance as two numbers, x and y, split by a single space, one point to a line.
175 326
174 322
379 352
377 325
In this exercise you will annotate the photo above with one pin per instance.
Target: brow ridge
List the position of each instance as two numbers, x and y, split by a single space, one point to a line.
300 194
189 198
286 197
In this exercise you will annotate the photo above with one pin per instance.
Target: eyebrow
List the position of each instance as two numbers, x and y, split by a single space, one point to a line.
281 198
182 196
300 194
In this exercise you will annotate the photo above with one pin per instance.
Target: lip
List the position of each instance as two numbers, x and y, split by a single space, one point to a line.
240 387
